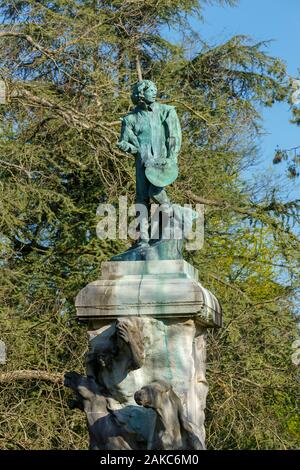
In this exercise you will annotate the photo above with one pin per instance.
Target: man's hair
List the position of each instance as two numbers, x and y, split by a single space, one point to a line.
139 88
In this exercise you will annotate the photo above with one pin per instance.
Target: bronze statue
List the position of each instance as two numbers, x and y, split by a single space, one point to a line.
152 133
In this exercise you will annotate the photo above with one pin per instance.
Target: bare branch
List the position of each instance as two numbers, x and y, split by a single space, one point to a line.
17 375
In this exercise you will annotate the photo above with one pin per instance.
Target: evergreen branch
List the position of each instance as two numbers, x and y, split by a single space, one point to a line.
28 38
253 211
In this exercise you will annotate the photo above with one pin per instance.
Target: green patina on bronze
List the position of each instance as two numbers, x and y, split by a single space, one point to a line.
152 132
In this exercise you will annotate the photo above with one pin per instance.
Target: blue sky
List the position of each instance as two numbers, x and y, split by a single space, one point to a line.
276 20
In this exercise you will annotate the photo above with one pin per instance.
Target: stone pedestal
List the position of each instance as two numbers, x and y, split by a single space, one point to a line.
147 323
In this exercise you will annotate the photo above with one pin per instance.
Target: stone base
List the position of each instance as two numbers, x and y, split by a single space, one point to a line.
173 351
147 323
161 289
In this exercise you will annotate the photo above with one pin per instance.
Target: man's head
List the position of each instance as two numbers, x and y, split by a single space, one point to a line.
144 92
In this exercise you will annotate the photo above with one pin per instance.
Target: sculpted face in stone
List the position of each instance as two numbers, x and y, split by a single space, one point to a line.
172 429
104 354
142 397
150 396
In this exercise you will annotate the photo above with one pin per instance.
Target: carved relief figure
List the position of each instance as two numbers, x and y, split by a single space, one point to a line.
118 353
106 431
172 429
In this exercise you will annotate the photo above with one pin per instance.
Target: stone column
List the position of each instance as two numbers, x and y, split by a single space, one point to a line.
147 323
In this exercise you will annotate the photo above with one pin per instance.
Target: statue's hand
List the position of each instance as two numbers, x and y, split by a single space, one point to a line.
123 146
127 147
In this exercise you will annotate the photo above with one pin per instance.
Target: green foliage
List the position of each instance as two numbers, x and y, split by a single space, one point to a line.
295 99
292 157
68 67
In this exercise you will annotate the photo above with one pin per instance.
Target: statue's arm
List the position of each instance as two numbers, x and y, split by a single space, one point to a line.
174 131
128 141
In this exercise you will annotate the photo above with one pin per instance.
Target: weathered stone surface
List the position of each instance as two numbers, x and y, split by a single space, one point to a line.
107 431
173 352
147 324
161 289
173 431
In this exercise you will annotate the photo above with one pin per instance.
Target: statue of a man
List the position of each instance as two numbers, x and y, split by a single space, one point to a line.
152 133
